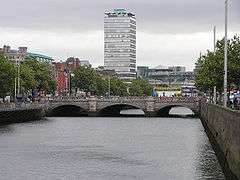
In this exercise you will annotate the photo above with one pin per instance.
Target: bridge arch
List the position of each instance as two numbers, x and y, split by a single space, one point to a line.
67 110
114 110
164 111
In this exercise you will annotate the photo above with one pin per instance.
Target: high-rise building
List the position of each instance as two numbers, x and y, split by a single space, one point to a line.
120 43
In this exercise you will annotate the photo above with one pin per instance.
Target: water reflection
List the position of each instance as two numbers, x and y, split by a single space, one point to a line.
137 112
206 160
6 129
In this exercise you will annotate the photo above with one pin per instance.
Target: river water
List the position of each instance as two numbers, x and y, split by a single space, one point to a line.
107 148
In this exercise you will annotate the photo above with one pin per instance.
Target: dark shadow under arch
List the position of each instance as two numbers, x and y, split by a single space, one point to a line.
165 111
67 111
115 111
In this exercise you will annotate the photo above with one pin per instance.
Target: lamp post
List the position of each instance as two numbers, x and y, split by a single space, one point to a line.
109 87
225 55
17 79
214 50
15 83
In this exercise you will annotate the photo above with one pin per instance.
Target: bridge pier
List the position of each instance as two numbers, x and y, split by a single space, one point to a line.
92 104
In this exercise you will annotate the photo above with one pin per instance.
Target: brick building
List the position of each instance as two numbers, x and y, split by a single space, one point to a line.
72 63
62 78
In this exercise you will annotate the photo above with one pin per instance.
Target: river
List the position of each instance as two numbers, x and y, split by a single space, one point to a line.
107 148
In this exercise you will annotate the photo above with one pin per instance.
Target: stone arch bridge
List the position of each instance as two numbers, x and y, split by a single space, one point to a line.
95 106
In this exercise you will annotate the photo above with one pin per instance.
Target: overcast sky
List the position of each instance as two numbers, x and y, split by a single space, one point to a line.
169 32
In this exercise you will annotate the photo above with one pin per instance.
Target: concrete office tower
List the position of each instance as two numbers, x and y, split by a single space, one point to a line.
120 43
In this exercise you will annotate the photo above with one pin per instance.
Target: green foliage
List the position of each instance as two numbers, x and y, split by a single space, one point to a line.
88 80
42 73
52 87
27 80
102 86
211 66
118 87
7 77
140 87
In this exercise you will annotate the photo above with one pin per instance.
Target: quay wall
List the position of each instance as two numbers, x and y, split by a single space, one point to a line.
15 115
223 128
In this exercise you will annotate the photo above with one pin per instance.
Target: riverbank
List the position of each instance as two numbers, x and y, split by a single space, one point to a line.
223 128
17 115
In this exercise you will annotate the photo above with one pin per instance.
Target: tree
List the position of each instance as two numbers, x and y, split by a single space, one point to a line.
211 66
27 80
140 87
7 77
102 86
43 75
118 87
85 78
88 80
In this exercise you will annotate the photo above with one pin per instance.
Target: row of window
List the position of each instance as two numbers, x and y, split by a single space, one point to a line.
116 41
107 45
128 60
108 25
117 20
119 40
108 35
119 45
119 30
120 51
133 60
120 64
118 26
119 55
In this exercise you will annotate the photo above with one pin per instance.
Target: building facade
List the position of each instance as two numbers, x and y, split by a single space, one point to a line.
85 63
142 72
14 56
120 43
173 75
40 57
62 78
72 63
18 56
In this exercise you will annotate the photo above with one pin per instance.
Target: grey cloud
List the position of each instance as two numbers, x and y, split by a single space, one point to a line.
159 16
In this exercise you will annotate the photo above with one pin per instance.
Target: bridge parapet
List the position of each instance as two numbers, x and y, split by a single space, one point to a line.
177 99
147 104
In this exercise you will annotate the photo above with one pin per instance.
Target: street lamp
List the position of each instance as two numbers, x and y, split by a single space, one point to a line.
214 51
70 85
109 87
17 79
225 55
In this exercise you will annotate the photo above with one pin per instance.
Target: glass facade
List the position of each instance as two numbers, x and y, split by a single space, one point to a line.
120 43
